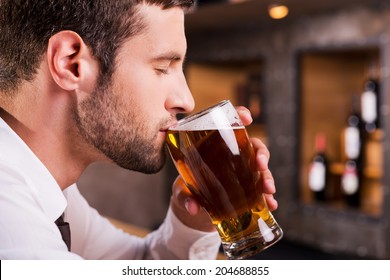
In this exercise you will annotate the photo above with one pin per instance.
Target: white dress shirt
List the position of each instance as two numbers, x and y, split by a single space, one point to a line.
31 200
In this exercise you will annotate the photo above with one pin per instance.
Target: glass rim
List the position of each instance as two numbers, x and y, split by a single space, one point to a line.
201 113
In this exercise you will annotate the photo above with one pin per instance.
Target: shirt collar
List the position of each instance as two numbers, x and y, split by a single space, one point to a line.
14 150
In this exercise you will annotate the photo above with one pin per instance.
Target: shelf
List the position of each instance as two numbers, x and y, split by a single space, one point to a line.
368 172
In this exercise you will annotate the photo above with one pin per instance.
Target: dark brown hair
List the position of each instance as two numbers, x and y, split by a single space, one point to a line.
27 25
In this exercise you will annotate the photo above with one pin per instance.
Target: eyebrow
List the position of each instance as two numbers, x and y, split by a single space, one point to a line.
171 56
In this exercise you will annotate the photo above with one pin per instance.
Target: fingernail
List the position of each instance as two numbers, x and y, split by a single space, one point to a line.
187 204
248 115
245 113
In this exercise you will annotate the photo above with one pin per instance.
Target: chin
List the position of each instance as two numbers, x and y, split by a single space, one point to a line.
145 163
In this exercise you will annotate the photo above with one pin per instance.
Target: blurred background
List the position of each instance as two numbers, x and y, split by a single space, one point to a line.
315 75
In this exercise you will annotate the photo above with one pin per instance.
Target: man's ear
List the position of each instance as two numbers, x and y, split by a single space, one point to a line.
70 61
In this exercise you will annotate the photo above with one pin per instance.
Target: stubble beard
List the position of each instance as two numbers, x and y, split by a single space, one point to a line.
119 133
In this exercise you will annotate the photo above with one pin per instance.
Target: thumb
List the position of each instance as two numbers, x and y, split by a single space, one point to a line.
183 198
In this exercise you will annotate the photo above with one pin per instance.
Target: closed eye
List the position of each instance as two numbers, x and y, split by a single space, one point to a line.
162 70
164 62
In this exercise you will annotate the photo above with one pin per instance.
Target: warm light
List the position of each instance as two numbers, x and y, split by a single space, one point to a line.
277 11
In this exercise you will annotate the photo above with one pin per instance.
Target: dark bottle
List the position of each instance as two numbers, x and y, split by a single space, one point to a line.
353 150
318 170
370 105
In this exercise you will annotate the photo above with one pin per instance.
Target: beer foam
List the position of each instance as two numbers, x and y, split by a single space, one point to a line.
204 126
220 118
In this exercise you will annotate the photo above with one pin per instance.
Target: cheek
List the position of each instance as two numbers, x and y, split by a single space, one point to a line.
139 85
143 92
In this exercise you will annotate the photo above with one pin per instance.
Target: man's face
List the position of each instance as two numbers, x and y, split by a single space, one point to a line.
127 118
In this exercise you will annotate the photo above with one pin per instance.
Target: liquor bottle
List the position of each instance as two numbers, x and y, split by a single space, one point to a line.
318 170
351 183
354 139
370 105
353 135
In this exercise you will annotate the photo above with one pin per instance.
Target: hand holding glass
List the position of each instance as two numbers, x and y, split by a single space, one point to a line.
213 154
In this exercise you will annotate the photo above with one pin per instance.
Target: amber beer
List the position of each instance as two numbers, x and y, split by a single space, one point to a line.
218 166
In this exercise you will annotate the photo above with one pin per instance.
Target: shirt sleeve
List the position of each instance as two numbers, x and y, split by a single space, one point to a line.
94 237
174 240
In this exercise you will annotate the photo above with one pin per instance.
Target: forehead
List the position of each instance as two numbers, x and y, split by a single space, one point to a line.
163 31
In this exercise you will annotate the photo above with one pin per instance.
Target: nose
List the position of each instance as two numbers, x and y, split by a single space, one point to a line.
180 100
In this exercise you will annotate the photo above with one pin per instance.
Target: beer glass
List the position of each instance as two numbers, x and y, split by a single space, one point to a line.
216 160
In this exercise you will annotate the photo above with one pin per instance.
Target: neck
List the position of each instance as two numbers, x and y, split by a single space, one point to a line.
47 127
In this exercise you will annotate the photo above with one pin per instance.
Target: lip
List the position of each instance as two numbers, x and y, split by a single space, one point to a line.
162 135
166 128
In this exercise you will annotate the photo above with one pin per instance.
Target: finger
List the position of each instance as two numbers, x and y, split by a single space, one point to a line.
245 115
262 154
271 202
188 210
183 197
192 207
268 183
262 157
